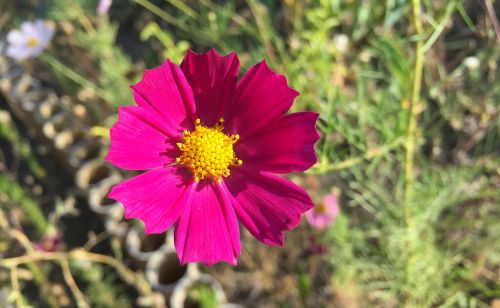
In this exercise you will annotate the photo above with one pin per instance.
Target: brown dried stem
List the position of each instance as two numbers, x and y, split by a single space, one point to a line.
14 280
70 281
81 255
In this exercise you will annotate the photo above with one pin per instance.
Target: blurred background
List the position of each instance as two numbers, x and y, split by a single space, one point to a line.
408 171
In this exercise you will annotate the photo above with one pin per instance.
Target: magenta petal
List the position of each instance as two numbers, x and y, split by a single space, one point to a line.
156 197
261 98
166 90
207 230
266 204
213 80
140 140
285 146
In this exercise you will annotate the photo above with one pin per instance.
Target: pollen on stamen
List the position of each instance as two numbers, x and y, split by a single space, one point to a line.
32 42
208 151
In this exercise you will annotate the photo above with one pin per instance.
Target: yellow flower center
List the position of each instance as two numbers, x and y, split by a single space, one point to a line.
208 151
48 245
32 42
320 208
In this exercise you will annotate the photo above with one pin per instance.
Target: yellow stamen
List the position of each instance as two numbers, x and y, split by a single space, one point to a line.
320 208
32 42
208 151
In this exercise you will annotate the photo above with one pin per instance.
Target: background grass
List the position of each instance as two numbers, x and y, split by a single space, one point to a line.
409 103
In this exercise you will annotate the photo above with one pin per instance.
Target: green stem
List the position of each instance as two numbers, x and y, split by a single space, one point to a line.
413 109
370 154
161 13
259 12
30 208
75 77
441 26
34 267
9 131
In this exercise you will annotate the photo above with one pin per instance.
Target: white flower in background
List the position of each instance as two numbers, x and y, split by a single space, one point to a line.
30 40
103 6
341 42
472 63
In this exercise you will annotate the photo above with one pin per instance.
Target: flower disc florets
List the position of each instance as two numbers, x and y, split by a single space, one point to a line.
208 151
32 42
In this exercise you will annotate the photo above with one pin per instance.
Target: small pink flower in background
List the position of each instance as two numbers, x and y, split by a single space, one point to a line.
324 213
49 243
211 144
30 40
103 6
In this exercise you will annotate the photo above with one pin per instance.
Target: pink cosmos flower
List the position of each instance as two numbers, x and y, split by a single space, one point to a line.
49 243
324 213
211 144
30 40
103 6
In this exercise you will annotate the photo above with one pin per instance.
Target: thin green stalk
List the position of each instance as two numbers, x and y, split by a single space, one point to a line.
370 154
83 19
30 208
161 13
19 298
440 27
413 108
184 8
259 12
75 77
196 35
410 146
9 131
35 268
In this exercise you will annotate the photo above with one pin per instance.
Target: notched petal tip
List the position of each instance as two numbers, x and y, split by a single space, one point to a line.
108 157
212 51
281 77
289 145
150 229
147 72
278 242
262 97
211 263
267 205
290 225
213 80
317 137
207 231
165 90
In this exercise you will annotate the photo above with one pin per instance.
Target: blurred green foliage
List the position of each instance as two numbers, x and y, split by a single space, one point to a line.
202 296
13 192
100 286
10 133
354 63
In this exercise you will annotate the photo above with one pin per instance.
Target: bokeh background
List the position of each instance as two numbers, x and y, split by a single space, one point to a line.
408 96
